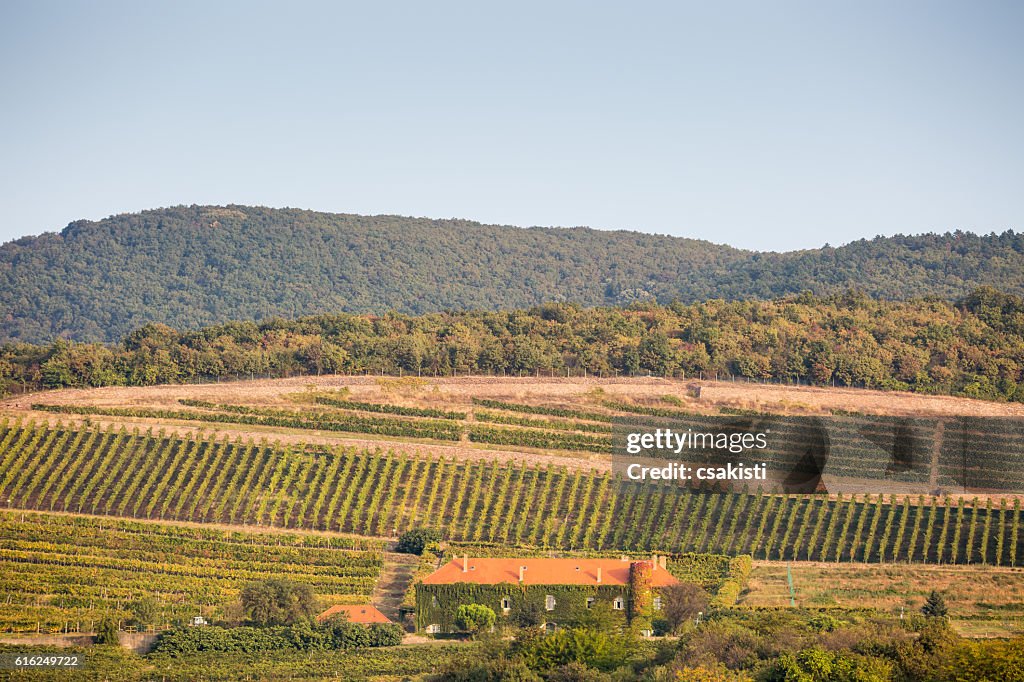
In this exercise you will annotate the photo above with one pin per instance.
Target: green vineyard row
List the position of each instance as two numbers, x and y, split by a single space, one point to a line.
554 424
541 409
238 414
153 476
59 571
388 408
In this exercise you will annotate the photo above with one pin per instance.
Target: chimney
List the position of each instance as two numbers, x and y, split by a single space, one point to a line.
465 563
522 570
598 574
654 560
664 562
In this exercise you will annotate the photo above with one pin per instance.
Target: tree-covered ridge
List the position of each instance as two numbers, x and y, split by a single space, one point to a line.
190 267
974 347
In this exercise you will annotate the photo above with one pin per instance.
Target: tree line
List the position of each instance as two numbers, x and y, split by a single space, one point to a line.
193 266
973 347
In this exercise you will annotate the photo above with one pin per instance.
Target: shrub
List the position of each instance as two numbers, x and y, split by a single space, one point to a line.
106 632
278 602
475 618
302 637
416 540
728 594
592 649
145 611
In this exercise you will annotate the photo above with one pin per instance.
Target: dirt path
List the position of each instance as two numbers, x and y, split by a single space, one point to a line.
393 582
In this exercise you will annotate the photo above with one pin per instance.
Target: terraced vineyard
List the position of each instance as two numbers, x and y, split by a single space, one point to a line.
152 476
63 573
954 455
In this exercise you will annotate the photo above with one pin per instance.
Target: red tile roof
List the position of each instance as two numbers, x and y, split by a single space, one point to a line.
357 613
542 572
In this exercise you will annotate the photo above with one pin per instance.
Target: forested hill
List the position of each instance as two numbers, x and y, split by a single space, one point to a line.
194 266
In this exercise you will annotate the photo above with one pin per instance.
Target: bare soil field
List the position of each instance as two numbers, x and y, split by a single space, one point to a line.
569 392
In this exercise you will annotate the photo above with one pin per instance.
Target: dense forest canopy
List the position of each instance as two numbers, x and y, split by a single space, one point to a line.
189 267
974 347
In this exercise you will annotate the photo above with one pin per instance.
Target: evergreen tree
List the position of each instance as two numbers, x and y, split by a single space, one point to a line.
935 606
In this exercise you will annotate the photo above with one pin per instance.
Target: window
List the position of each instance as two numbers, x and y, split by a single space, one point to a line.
549 603
657 603
590 602
505 604
618 603
433 629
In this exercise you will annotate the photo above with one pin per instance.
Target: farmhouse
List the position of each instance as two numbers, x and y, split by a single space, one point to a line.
363 614
560 589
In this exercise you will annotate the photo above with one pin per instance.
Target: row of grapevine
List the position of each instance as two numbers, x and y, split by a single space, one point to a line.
388 408
237 414
58 569
542 409
153 476
554 424
539 439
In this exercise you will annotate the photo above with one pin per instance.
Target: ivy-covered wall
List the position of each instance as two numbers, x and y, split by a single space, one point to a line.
437 604
723 576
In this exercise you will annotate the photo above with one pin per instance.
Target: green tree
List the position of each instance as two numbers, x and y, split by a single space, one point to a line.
145 611
278 602
935 606
416 540
475 618
106 632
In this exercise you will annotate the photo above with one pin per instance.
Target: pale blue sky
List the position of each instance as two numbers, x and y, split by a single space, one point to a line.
764 125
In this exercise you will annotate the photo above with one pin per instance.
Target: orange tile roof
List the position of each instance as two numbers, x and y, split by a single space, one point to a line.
542 572
357 613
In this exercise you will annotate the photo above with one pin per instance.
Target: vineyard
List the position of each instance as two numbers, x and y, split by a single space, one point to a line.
920 455
152 476
63 573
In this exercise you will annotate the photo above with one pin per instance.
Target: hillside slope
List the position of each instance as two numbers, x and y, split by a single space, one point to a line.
193 266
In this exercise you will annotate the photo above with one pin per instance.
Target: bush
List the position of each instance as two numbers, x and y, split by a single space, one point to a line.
301 637
278 602
416 540
660 627
106 632
499 669
592 649
475 618
145 611
728 594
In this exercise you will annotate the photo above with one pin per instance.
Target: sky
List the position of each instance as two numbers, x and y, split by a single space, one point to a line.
769 126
